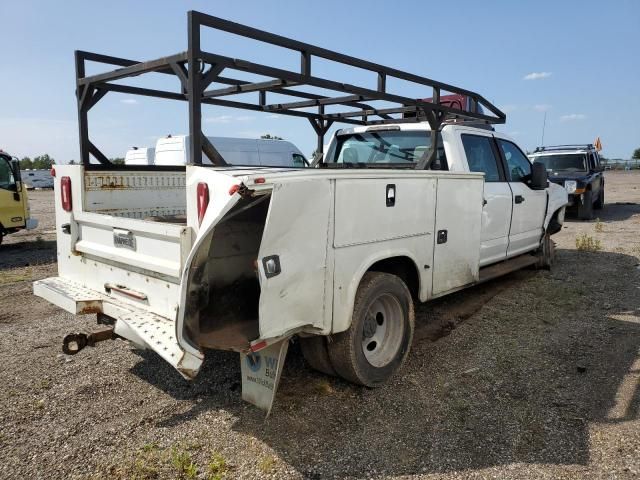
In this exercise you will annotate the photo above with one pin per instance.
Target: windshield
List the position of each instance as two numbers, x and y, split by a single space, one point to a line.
570 162
384 147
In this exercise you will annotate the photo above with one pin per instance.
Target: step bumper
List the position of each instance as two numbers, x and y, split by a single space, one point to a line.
144 329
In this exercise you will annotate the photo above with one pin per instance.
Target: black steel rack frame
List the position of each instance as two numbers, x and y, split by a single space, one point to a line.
197 70
553 148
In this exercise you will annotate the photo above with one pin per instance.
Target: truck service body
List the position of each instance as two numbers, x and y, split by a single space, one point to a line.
180 260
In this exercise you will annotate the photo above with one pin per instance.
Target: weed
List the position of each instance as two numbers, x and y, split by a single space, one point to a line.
150 447
267 465
45 384
182 462
323 387
587 243
599 227
217 468
15 277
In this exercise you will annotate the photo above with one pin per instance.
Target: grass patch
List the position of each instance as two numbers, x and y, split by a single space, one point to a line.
217 468
599 226
586 243
15 277
267 465
182 462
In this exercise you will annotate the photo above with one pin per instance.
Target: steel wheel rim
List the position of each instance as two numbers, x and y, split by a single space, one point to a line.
383 330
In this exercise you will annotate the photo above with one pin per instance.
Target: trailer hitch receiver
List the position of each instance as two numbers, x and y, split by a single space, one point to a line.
74 342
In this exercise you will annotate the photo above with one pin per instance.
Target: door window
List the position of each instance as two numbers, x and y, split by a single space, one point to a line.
6 174
481 156
298 160
518 165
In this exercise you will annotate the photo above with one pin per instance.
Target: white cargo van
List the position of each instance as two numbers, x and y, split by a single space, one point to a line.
173 150
140 156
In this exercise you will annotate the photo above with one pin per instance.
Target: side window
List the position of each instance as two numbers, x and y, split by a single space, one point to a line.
6 174
298 160
518 166
481 156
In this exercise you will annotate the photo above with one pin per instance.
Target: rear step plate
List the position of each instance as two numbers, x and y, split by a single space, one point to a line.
143 328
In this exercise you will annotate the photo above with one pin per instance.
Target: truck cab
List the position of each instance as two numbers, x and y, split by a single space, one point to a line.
578 169
14 202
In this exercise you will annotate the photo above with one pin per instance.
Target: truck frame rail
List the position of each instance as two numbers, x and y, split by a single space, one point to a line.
197 69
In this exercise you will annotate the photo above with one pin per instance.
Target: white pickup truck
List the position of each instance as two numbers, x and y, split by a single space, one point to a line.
181 260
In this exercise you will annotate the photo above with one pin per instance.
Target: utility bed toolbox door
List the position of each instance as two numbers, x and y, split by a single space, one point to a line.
456 250
297 233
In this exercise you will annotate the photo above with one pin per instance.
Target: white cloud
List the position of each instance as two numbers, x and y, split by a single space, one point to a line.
228 119
542 107
536 75
129 101
572 116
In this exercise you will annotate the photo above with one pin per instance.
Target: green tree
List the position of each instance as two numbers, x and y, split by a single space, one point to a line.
636 154
117 161
26 163
268 136
43 162
72 162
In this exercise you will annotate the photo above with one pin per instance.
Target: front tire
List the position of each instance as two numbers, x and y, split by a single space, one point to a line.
547 253
585 209
599 205
379 338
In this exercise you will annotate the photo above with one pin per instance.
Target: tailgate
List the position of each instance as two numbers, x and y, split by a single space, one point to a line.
154 247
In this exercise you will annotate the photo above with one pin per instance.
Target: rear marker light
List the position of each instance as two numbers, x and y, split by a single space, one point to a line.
202 200
234 189
53 172
259 180
65 193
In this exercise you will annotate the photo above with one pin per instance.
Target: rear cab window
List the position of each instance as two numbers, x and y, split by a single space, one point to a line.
385 147
481 156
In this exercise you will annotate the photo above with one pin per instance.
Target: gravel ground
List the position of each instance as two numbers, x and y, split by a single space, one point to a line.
535 375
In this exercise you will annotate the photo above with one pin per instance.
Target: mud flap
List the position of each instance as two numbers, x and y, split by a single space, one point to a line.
261 374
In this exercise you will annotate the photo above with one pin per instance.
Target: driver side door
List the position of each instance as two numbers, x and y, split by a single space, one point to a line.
529 206
11 207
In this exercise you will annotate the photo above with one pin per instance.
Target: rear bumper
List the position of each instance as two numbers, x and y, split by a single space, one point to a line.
145 329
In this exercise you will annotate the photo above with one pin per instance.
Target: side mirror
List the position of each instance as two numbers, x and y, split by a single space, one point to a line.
539 177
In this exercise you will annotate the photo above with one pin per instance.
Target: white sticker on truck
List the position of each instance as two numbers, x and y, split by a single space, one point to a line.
261 374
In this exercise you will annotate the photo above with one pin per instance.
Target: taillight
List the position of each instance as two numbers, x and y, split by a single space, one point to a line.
65 193
53 171
203 200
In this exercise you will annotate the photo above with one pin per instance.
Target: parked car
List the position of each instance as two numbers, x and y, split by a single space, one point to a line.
14 201
37 179
188 259
173 150
578 169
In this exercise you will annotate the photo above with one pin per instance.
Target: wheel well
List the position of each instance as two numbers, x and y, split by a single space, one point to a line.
403 267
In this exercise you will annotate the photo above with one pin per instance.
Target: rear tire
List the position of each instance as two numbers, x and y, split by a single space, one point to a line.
599 205
314 351
585 209
379 338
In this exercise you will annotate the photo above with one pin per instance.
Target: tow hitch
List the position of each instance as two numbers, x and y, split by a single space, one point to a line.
74 342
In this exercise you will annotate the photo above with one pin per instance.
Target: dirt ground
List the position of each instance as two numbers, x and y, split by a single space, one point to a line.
534 375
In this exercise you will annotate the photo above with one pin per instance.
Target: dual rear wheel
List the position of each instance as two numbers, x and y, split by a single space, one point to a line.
376 344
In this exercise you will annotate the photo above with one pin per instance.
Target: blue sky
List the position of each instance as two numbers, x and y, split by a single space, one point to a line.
578 61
